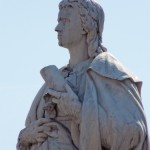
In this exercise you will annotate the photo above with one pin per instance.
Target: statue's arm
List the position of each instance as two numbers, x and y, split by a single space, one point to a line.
32 115
68 103
30 134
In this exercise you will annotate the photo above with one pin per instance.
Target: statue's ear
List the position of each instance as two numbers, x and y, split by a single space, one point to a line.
83 31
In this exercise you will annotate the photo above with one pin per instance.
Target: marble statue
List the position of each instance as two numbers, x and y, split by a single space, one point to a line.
94 102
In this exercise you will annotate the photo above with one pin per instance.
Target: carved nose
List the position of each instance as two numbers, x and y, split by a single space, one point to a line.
58 28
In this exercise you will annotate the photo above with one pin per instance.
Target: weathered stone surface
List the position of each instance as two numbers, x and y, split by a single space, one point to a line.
94 102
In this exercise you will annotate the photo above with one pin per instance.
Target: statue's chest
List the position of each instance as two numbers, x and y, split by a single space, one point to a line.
77 83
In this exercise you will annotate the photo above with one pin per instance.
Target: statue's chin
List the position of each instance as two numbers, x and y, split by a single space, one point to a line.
61 44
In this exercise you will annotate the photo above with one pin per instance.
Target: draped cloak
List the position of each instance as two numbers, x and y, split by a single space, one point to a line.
112 113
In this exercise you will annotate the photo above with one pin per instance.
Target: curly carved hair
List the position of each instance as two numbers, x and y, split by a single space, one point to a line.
92 19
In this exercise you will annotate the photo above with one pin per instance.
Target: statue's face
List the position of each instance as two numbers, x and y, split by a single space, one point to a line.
69 27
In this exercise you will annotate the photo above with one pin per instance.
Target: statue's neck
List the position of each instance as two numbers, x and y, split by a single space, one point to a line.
78 54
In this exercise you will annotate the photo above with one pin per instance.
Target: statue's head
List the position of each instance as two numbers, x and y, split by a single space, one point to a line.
90 15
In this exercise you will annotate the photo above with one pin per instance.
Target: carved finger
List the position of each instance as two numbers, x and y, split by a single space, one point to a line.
33 140
40 140
42 129
42 135
51 124
42 121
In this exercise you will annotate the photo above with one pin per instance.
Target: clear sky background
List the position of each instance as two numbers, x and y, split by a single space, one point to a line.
28 42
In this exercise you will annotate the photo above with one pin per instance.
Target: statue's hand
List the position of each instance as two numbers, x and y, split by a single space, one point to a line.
36 132
59 132
67 102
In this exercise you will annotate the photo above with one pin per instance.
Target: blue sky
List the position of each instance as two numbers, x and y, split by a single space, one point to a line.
28 42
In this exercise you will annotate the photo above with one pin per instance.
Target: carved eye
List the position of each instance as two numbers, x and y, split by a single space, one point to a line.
65 20
70 6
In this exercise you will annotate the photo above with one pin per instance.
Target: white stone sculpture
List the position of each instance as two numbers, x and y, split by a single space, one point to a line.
94 102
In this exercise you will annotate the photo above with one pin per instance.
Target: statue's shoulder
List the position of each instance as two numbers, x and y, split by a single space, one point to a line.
108 66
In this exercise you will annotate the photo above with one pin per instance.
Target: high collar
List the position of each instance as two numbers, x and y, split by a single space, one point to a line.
80 67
